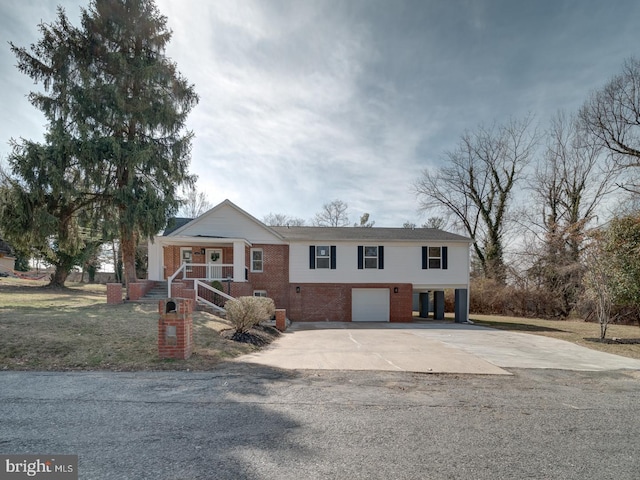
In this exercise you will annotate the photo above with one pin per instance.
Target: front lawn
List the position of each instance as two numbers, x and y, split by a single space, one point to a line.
621 339
75 329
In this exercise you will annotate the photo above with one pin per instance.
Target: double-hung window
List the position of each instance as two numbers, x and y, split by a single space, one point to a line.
370 257
257 260
322 257
435 258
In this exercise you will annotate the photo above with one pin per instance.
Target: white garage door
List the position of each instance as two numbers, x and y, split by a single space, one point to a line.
370 304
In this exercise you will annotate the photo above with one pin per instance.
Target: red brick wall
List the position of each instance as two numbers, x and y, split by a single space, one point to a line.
275 275
171 259
332 302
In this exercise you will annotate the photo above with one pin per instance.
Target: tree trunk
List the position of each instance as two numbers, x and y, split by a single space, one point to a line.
128 242
59 276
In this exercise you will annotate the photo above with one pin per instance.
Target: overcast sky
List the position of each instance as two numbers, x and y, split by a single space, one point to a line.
306 101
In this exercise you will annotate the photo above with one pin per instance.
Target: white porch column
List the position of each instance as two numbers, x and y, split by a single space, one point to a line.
238 261
156 260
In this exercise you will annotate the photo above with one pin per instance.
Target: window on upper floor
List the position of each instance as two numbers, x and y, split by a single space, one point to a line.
257 260
322 256
434 258
370 257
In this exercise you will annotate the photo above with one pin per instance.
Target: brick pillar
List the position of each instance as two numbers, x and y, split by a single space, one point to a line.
175 328
114 293
281 319
136 291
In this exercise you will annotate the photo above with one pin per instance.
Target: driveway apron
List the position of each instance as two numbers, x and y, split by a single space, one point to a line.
427 347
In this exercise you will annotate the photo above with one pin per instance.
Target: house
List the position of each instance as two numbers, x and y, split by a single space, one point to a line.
316 273
7 257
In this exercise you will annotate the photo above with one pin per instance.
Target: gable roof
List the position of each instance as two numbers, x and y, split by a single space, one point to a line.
372 234
192 226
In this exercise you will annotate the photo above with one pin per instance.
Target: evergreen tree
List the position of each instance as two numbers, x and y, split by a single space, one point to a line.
47 195
117 106
135 109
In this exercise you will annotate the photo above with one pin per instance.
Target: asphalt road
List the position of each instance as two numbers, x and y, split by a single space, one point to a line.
254 422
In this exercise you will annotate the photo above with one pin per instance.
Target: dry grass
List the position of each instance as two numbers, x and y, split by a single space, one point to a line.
621 339
74 329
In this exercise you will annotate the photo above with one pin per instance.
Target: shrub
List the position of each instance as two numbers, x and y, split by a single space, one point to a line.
246 312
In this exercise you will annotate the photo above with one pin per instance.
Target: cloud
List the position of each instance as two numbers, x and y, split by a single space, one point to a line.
305 102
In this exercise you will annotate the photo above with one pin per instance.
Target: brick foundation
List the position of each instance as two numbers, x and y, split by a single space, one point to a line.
175 328
332 302
139 289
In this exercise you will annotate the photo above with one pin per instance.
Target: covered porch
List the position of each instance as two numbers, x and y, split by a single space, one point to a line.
199 258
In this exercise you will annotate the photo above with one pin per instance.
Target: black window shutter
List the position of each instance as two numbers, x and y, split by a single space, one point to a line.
425 258
333 257
360 257
380 257
445 259
312 257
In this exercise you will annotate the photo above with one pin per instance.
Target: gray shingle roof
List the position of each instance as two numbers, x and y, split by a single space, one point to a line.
174 224
372 234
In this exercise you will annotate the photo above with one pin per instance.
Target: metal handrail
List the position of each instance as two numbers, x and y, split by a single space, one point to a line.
199 283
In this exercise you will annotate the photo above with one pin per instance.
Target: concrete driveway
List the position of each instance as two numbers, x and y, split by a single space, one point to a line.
426 347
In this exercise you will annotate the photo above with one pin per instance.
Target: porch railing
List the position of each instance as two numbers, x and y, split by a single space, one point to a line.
202 271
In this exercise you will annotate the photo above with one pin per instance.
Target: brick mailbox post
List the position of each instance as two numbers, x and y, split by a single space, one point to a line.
175 328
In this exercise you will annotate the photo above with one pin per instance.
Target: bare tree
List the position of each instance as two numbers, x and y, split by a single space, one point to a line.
409 224
333 214
476 186
599 278
439 223
612 117
568 185
282 220
364 221
194 203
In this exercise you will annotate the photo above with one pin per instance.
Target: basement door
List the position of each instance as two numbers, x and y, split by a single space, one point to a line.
370 305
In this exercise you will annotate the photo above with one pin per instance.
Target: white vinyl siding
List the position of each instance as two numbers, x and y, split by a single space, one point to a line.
402 264
226 221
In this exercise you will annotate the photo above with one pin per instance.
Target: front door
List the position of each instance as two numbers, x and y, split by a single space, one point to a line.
214 263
